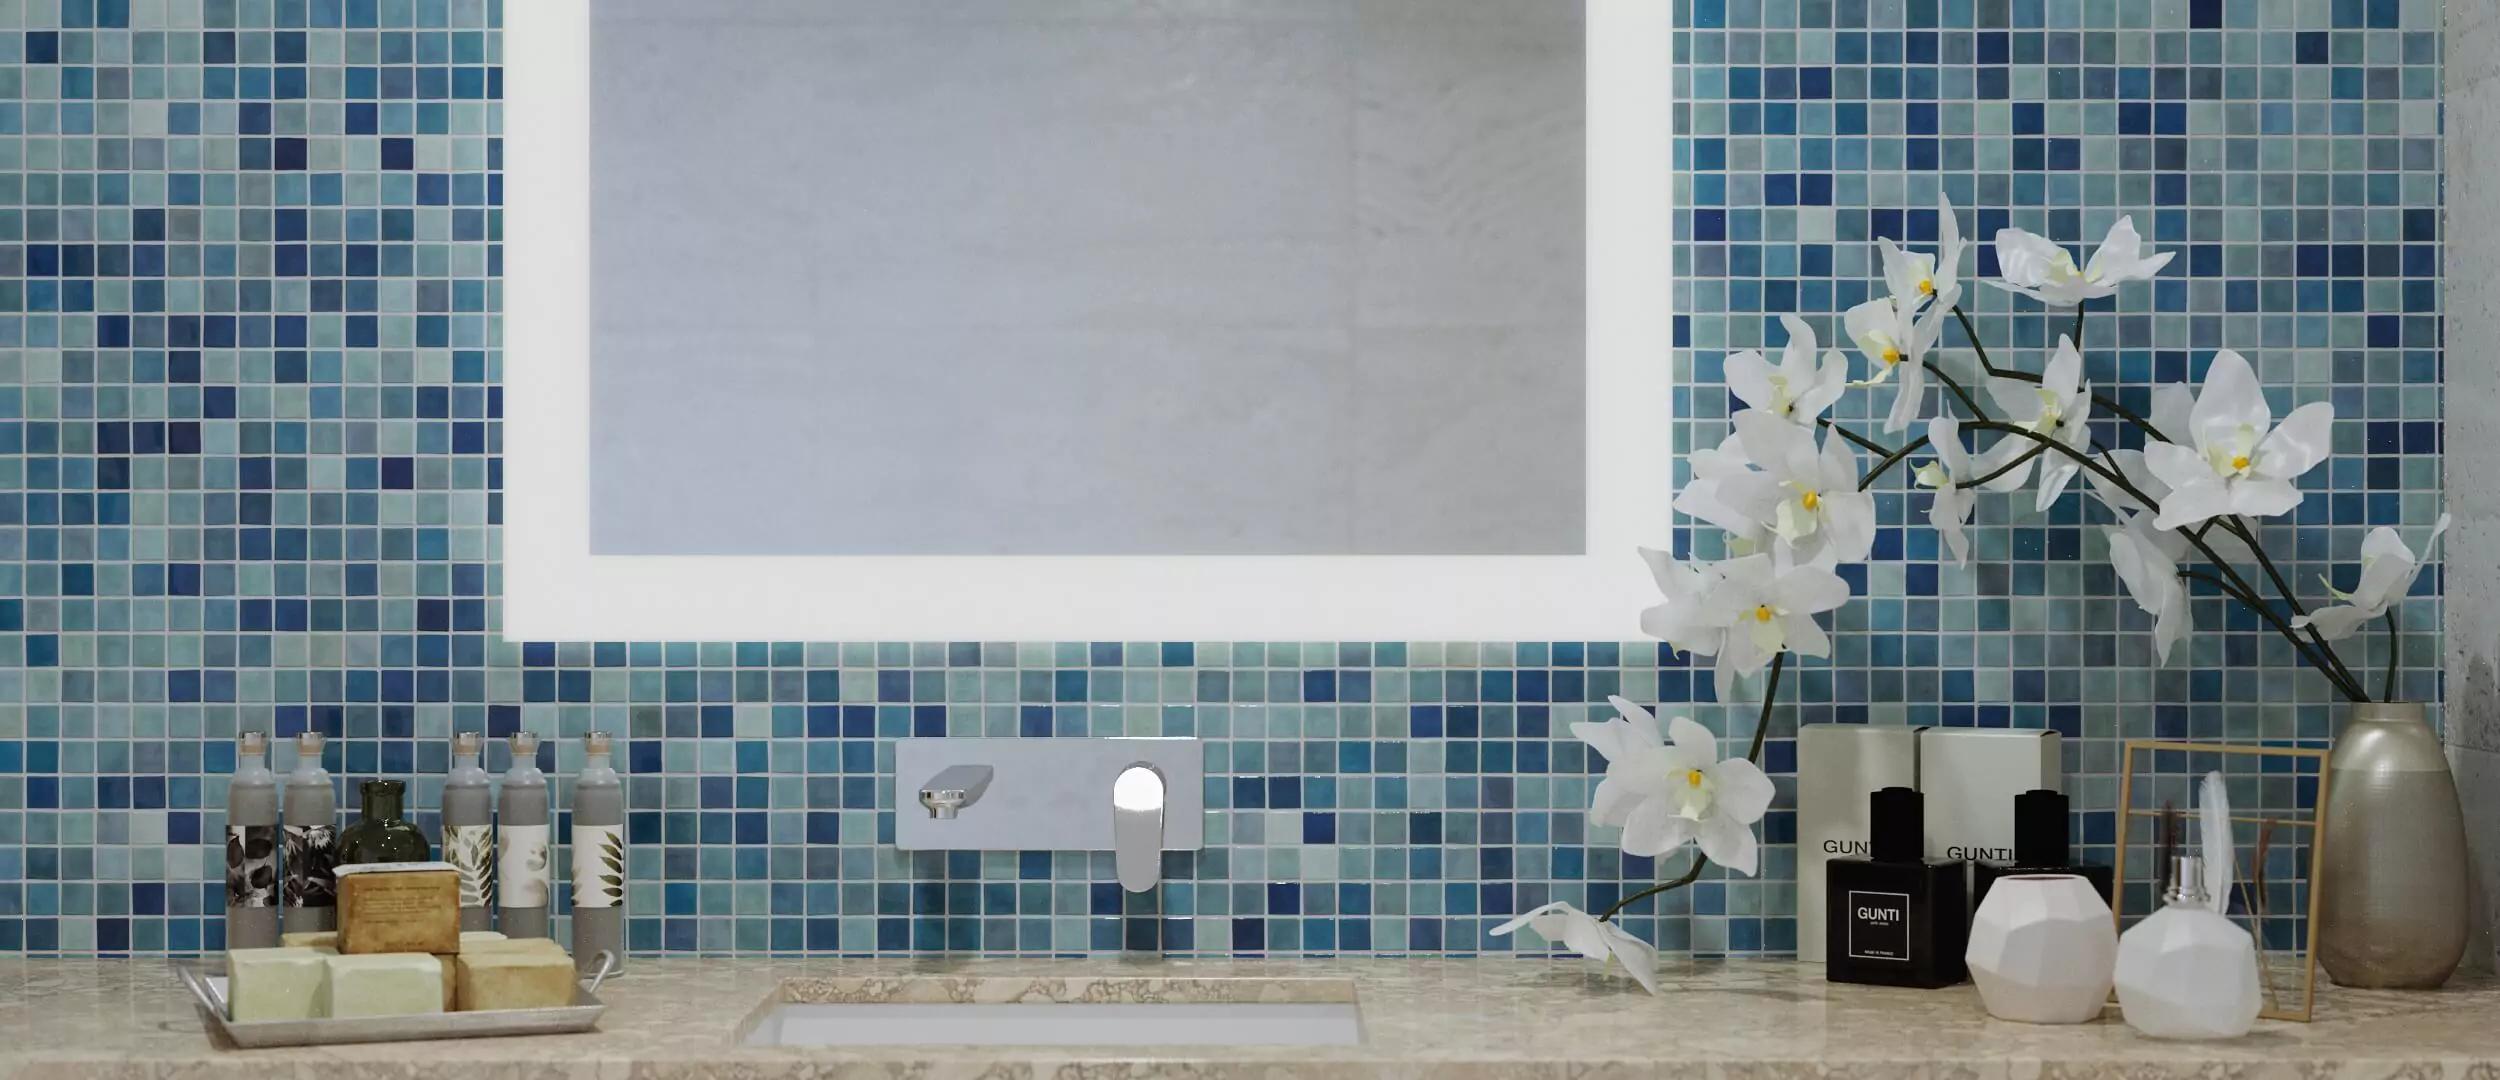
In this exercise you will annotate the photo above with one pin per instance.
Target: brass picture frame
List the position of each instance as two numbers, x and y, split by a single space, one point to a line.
2277 1008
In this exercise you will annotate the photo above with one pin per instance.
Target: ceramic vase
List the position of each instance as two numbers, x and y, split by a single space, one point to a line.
2391 894
2042 949
2187 971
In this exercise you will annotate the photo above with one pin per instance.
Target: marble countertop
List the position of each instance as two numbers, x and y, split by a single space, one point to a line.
1438 1019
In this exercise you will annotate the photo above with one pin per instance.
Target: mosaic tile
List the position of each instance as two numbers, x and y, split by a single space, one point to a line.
250 424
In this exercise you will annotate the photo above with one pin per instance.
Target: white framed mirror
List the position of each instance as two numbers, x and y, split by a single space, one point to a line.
1085 319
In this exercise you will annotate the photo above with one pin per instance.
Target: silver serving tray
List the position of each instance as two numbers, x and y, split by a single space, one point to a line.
208 988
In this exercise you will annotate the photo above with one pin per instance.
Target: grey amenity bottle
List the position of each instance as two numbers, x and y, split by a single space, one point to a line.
598 857
252 847
312 841
469 830
521 850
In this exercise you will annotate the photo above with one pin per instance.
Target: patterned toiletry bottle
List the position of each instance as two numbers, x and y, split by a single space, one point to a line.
521 848
598 857
312 841
469 830
252 847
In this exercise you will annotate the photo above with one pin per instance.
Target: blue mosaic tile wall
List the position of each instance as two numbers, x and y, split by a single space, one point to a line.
248 439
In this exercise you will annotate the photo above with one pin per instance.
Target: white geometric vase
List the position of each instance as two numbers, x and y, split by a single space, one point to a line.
2186 972
2042 949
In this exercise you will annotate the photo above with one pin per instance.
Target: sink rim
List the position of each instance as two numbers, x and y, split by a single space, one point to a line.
1157 1026
940 988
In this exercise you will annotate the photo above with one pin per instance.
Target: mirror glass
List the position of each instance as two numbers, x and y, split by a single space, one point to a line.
1087 277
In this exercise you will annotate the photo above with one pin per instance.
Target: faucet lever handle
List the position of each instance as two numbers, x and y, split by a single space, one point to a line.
1137 827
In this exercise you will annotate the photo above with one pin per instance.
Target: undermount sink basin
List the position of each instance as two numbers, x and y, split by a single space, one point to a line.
1251 1023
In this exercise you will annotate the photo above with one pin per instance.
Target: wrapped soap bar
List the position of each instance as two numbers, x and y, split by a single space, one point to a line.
311 939
399 908
515 979
384 984
275 984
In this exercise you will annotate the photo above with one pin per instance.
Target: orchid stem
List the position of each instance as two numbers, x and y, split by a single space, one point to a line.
1890 460
2001 470
1891 456
2257 604
1860 441
2078 326
1971 333
1761 729
1968 402
2395 648
2099 401
2329 665
2239 528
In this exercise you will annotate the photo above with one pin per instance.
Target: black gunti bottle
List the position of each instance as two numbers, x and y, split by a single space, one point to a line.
1894 918
2039 848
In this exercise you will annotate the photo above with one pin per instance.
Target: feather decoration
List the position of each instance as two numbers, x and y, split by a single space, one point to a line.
2214 843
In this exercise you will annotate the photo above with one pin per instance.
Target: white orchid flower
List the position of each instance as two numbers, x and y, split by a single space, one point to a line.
1894 339
2147 561
2174 409
2241 462
1808 495
1709 494
1680 621
2043 271
2059 406
1948 512
2388 568
1768 609
1798 389
2172 403
1580 932
1668 792
1917 278
2074 431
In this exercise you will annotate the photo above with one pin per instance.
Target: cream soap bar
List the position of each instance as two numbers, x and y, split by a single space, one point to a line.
385 984
505 945
312 939
451 979
471 937
515 979
275 984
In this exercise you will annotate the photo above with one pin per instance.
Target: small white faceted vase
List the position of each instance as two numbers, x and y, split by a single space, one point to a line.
2042 950
2186 972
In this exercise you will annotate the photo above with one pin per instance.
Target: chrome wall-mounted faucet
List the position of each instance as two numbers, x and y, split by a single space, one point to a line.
958 787
1136 798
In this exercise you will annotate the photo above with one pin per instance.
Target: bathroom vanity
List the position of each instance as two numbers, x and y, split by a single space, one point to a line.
689 1018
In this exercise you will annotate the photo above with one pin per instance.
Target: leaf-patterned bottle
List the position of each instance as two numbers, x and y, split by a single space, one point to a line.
252 846
598 857
469 830
522 844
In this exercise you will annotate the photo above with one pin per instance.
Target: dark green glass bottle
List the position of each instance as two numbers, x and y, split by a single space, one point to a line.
382 835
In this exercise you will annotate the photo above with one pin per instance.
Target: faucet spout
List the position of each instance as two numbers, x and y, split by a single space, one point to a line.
954 788
1137 827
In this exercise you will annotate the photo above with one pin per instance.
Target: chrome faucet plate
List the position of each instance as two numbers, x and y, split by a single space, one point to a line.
1049 795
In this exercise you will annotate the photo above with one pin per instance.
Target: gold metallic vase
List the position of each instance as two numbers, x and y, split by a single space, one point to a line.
2391 899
